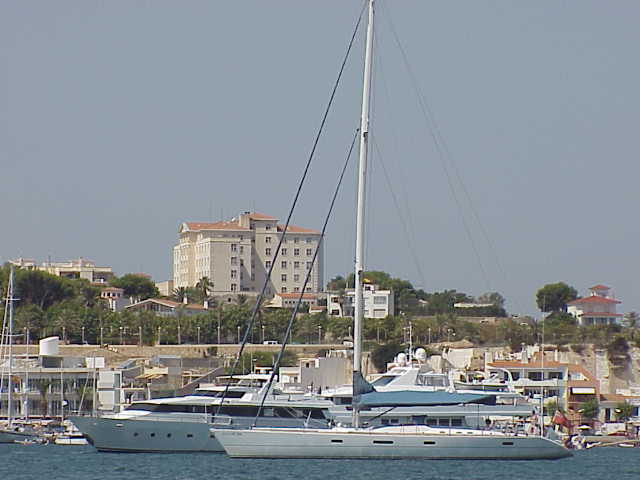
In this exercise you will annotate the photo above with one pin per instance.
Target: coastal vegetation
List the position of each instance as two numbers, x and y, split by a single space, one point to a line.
72 309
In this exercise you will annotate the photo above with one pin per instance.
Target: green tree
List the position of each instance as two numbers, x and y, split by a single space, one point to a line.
623 411
203 287
553 297
337 283
589 409
383 354
137 286
42 289
618 352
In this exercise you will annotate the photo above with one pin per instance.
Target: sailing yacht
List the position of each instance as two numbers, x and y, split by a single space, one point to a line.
10 433
401 441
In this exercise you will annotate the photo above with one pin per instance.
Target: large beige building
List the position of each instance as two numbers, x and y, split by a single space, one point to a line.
236 255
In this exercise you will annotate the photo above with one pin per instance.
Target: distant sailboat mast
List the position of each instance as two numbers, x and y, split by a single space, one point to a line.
360 216
10 349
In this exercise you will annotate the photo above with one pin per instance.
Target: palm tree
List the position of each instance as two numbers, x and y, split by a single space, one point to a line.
179 294
43 388
204 287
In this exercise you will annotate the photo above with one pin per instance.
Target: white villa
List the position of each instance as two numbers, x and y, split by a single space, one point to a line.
597 308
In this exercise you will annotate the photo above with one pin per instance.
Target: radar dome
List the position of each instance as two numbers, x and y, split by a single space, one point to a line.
401 359
421 354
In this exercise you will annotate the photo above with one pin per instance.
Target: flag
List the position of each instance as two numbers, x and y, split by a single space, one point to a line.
560 419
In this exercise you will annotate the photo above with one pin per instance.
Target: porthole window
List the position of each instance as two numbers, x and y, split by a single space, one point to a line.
135 434
168 435
189 435
153 434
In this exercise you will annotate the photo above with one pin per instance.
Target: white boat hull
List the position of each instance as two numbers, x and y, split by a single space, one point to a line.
298 443
117 435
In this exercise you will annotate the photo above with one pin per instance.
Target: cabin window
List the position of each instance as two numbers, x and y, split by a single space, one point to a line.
383 442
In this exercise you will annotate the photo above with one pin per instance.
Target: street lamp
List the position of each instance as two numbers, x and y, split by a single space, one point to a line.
158 335
64 334
319 334
429 330
449 331
218 330
238 334
263 334
83 334
179 339
101 337
198 329
140 335
120 335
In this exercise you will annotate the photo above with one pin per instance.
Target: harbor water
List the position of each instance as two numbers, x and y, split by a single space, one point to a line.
29 462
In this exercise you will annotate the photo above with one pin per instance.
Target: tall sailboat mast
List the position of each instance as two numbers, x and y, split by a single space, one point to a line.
10 350
360 216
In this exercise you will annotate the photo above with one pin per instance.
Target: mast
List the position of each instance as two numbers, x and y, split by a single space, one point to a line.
10 351
360 216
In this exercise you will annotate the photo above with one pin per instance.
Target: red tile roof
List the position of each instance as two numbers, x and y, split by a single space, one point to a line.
593 299
195 226
296 229
599 287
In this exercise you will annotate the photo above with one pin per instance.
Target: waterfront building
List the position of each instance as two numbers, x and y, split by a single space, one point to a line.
289 300
597 308
236 255
377 303
167 308
78 268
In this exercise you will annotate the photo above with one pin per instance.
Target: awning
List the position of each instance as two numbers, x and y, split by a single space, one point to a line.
583 390
410 398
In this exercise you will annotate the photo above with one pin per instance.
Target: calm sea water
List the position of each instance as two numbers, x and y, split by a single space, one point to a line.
51 462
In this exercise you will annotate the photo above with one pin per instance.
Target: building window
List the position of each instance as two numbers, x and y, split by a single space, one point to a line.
296 278
296 264
380 300
283 289
267 227
284 252
234 287
241 262
267 252
296 239
241 248
283 277
267 239
296 252
309 240
267 264
234 260
308 289
234 274
234 247
308 265
283 264
296 289
309 252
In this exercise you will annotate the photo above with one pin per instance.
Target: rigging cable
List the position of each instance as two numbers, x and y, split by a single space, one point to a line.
441 147
293 205
294 313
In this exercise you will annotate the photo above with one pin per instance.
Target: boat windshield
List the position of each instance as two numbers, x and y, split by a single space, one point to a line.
384 380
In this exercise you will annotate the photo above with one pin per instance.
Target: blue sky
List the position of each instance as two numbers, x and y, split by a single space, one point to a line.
119 120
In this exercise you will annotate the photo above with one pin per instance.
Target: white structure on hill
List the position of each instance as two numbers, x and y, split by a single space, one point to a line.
598 308
377 303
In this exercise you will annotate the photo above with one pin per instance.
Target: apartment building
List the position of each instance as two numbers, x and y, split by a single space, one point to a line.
377 303
236 255
77 268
